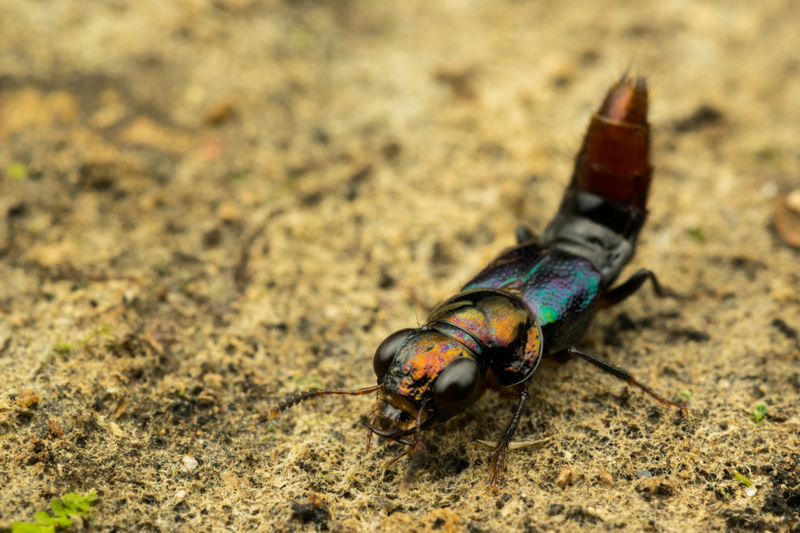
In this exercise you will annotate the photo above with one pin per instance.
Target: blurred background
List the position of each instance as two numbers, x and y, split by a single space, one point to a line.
209 205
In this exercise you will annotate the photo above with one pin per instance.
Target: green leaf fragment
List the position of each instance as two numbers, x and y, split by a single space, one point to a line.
760 411
299 39
17 171
697 234
742 479
62 348
44 519
30 527
77 504
57 506
766 153
71 504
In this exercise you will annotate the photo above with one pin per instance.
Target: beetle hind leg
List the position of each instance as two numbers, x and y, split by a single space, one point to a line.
633 284
501 448
621 373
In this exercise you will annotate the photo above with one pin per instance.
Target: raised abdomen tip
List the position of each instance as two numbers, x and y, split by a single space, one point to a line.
626 102
614 160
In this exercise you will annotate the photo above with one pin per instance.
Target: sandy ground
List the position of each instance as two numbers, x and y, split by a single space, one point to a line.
207 206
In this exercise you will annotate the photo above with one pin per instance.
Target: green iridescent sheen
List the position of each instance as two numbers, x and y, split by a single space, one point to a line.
556 286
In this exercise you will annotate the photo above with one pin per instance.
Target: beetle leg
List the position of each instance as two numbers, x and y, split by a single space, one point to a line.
633 284
501 448
371 424
416 459
402 454
524 234
622 374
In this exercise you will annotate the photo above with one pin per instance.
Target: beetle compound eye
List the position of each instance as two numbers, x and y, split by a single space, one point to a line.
385 353
457 387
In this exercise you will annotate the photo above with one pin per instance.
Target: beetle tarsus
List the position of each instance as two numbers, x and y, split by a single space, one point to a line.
413 468
416 461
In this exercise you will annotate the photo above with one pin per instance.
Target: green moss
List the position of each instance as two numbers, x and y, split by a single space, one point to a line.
62 348
300 39
697 234
17 171
765 154
103 330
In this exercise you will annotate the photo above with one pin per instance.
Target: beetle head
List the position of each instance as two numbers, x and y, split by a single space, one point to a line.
426 375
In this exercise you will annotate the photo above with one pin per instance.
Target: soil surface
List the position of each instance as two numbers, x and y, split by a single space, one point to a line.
207 206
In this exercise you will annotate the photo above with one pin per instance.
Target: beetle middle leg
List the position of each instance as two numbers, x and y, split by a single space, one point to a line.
524 234
501 448
619 373
633 284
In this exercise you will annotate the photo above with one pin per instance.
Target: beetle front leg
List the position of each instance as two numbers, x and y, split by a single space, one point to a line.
501 448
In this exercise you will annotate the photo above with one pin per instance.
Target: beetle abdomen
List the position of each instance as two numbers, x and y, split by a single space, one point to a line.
605 205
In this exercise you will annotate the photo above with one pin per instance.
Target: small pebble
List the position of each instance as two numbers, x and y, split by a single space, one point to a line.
213 380
115 429
567 476
205 399
604 476
189 462
55 430
27 398
644 474
657 486
793 200
229 213
786 214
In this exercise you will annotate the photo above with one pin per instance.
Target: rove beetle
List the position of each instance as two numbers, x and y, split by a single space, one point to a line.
534 301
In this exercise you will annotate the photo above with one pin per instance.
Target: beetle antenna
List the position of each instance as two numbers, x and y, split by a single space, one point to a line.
416 461
313 393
